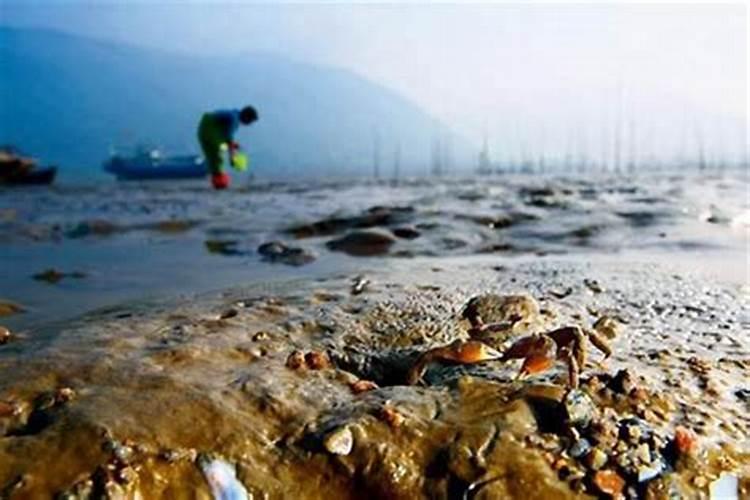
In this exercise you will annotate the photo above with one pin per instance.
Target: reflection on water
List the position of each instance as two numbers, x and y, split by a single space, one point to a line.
132 240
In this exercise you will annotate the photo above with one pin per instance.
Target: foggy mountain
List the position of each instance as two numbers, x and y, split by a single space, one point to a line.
69 99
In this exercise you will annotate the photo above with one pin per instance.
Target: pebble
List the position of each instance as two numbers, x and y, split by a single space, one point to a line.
340 441
389 415
579 408
580 448
609 482
596 459
221 477
363 386
685 440
4 335
9 308
295 360
317 360
406 232
363 243
276 251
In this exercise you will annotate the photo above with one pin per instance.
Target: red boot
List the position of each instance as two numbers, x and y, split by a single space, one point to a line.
220 180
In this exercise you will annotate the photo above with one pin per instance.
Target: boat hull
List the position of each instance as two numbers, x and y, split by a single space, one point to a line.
124 170
35 176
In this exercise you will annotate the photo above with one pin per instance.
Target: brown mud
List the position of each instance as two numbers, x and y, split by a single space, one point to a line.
300 386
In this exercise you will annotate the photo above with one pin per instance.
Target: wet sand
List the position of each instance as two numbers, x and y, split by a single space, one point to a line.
299 386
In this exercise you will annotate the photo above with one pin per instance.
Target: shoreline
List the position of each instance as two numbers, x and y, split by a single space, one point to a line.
160 392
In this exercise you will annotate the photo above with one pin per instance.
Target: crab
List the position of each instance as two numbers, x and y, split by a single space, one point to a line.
539 351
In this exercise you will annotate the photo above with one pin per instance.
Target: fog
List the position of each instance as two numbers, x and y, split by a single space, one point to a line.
614 84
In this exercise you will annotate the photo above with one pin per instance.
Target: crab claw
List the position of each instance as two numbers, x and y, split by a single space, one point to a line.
471 352
536 364
464 353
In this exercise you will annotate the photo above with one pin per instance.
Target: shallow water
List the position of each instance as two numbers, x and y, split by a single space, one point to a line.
134 241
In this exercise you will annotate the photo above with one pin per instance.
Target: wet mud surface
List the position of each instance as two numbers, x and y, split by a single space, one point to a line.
300 390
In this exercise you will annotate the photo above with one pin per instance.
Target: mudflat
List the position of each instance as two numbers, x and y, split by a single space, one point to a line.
299 388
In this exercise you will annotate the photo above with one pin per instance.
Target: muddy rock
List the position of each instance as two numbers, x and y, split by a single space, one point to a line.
363 243
276 251
53 276
406 232
223 247
4 335
340 441
373 217
9 308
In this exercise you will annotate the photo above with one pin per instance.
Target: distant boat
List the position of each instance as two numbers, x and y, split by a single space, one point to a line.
16 169
149 163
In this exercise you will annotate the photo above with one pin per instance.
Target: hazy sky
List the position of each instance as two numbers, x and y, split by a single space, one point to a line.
534 77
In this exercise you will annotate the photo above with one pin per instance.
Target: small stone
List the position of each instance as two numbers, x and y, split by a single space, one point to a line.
623 382
609 482
260 336
359 284
580 448
363 243
596 459
685 440
579 408
4 335
593 285
10 308
340 441
363 386
389 415
406 232
64 394
295 360
229 313
317 360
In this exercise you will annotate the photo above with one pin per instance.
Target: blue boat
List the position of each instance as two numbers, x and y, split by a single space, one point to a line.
150 163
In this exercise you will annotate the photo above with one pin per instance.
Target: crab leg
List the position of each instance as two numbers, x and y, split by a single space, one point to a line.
600 342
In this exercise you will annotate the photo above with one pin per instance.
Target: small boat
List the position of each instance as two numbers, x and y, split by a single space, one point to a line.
150 163
16 169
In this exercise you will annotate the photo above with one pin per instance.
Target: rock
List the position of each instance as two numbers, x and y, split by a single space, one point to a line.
580 448
223 247
596 459
340 441
221 477
295 360
406 232
10 308
53 276
276 251
727 487
593 285
375 216
363 243
359 284
685 440
317 360
389 415
622 382
492 308
609 482
743 395
635 431
93 228
4 335
363 386
579 408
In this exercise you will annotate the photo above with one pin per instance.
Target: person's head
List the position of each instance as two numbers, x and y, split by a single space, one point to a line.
248 115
